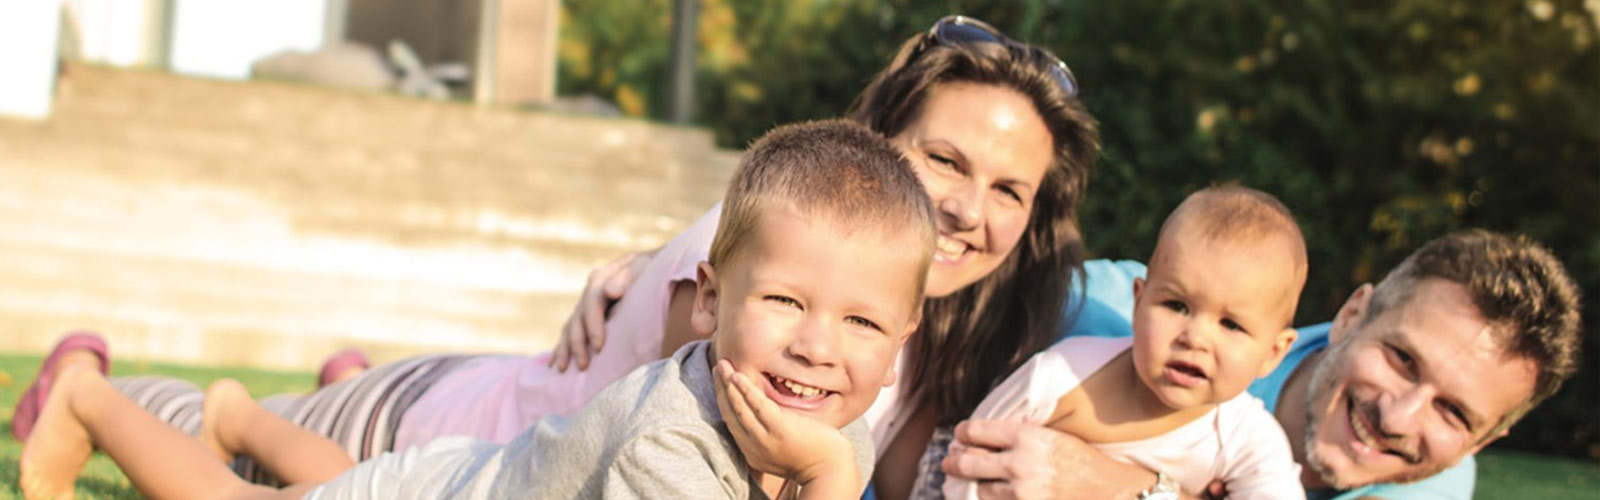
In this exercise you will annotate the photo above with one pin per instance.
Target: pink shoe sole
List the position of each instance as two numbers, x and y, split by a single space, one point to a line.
338 363
32 400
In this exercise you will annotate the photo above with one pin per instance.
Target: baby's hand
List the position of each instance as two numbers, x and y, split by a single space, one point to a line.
778 441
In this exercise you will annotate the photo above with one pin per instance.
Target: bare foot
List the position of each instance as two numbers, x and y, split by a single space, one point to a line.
59 445
347 374
218 423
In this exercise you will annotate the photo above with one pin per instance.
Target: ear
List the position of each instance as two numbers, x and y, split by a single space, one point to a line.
1279 348
893 374
1138 289
704 316
1351 314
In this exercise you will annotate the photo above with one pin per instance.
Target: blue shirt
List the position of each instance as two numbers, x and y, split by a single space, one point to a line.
1108 312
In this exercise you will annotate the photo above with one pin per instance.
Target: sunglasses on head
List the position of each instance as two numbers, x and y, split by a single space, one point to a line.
960 30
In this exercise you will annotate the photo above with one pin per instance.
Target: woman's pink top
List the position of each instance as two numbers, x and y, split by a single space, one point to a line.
494 398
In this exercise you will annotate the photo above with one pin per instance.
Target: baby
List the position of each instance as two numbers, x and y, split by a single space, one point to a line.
814 281
1213 316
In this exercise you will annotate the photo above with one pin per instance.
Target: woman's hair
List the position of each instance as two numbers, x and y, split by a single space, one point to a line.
974 337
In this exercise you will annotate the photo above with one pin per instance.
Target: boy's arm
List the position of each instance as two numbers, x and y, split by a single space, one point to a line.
776 441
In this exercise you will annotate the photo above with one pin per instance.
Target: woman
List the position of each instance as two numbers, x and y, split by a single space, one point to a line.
1000 141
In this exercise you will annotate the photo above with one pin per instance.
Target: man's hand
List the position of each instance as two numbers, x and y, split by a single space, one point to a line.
585 331
1013 460
783 443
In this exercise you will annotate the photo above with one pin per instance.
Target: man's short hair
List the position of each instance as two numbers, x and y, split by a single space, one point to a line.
1522 291
835 169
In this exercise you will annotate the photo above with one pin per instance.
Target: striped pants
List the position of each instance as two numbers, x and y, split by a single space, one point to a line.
362 414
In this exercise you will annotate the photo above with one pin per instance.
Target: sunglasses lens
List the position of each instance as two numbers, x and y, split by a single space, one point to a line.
959 30
1065 80
965 33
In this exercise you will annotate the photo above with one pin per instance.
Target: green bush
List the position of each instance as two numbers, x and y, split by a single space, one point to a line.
1383 124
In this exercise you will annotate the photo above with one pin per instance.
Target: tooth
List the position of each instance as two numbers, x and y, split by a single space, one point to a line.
951 246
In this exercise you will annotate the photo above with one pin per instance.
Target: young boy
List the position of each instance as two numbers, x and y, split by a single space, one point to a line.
814 281
1214 315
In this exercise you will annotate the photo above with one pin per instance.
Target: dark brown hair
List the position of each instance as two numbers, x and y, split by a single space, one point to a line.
835 169
972 338
1521 290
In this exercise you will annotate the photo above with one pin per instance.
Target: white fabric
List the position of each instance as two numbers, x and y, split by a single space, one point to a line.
1238 442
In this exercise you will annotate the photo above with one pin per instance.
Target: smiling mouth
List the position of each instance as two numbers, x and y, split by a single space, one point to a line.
951 248
797 390
1366 435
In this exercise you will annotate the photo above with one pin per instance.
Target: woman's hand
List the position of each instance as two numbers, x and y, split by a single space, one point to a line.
585 331
783 443
1013 460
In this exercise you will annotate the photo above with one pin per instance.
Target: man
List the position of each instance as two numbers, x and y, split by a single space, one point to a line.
1389 400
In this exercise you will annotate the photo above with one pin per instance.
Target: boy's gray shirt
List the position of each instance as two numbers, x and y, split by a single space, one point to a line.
654 434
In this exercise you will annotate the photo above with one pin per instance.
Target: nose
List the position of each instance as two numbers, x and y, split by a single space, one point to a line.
816 344
1403 410
962 205
1196 335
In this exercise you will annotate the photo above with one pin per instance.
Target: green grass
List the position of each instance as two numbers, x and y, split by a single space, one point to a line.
1501 474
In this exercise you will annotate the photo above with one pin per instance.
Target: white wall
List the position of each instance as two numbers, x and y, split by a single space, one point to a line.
28 35
221 39
114 32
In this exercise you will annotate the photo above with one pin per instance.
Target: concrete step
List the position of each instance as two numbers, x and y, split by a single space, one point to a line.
267 224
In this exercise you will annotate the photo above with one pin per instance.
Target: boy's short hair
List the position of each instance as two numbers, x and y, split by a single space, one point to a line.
1242 216
832 168
1521 290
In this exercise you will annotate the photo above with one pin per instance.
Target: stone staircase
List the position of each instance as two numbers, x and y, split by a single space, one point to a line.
268 224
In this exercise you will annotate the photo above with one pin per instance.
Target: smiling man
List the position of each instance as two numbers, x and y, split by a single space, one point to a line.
1392 398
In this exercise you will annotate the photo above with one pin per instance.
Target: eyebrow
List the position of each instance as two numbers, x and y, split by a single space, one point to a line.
1474 420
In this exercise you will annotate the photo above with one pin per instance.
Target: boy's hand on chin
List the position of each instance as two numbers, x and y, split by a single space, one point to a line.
776 440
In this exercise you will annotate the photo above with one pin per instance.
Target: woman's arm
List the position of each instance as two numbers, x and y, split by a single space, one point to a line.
585 331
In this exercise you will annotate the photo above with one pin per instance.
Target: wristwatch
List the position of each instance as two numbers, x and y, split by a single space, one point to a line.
1165 488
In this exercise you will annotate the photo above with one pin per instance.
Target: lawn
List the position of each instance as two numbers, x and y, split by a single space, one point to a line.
1501 474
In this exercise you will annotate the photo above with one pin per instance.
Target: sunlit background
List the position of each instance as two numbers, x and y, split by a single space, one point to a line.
257 183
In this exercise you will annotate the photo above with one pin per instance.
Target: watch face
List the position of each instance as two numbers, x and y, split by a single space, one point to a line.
1166 488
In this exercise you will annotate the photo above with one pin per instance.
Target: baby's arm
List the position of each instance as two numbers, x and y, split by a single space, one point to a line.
775 441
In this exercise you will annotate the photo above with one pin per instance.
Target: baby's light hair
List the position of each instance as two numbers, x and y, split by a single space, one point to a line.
1243 218
834 169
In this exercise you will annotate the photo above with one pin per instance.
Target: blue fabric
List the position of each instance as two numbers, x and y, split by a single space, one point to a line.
1312 339
1108 312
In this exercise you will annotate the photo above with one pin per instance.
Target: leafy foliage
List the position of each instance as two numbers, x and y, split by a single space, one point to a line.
1383 124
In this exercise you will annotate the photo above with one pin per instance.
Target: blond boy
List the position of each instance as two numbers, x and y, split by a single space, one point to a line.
815 280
